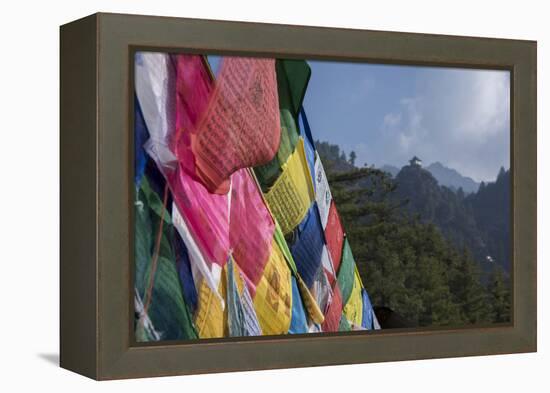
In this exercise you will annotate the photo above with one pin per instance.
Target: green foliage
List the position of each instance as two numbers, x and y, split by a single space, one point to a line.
406 262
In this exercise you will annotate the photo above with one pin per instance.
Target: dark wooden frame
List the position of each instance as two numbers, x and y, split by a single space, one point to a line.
96 184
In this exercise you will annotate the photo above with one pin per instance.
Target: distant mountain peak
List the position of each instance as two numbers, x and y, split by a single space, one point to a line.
451 178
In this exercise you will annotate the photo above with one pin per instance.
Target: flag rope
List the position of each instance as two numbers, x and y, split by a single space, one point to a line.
155 256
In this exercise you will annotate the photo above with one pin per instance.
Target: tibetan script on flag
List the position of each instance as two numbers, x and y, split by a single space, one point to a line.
241 126
292 194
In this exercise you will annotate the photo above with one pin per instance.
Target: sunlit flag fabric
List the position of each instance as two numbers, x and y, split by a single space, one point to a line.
273 297
292 193
236 232
241 126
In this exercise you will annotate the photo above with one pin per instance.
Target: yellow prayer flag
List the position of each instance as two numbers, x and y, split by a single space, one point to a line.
310 303
210 318
292 193
273 298
353 310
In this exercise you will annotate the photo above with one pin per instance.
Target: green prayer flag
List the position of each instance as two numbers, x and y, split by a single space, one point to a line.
167 310
346 272
344 325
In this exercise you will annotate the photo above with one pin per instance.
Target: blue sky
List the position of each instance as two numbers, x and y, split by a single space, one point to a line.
389 113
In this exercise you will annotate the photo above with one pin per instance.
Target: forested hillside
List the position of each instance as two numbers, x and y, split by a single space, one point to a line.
419 246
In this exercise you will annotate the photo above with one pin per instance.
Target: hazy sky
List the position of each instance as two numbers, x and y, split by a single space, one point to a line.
387 114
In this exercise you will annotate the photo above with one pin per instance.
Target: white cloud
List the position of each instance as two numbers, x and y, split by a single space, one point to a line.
458 117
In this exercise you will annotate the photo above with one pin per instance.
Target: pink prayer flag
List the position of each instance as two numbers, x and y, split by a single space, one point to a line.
206 215
194 87
251 227
241 126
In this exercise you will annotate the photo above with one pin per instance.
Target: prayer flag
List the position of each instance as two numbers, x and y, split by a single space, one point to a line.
241 126
346 273
367 311
322 191
159 293
292 79
334 311
241 317
251 227
353 310
334 236
292 193
273 297
307 246
155 81
298 323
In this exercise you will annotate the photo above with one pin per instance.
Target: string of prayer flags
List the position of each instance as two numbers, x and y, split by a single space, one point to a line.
334 236
155 81
307 246
346 272
273 297
240 127
292 79
292 193
237 233
156 280
251 227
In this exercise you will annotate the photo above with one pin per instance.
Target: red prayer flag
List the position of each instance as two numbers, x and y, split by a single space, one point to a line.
334 236
240 127
334 311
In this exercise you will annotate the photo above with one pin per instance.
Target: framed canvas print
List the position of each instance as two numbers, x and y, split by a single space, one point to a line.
241 196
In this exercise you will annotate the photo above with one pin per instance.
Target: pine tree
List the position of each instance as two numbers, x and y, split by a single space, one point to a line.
499 293
352 158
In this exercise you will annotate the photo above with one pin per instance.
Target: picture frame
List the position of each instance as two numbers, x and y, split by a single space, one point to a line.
96 241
